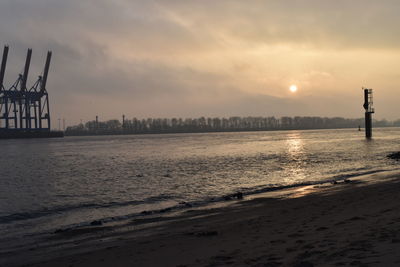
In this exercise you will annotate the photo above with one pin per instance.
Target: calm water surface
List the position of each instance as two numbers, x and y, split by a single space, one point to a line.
53 184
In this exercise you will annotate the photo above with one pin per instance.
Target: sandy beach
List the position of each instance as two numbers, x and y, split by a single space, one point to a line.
352 223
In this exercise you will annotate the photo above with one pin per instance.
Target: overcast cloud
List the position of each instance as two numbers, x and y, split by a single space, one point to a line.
207 58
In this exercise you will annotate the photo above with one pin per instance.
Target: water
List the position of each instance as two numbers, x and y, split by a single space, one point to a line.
51 184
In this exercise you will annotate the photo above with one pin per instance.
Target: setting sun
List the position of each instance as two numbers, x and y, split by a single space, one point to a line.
293 88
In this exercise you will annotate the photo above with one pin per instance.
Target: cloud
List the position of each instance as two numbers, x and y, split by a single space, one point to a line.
218 57
355 24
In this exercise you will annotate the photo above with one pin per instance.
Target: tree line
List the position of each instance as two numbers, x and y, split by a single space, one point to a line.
202 124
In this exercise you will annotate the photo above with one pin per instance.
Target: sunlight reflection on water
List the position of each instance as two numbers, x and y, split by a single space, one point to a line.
296 155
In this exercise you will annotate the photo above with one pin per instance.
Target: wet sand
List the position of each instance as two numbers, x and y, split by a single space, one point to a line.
345 224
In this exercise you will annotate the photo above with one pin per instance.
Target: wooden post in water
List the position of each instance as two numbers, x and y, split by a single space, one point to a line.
368 112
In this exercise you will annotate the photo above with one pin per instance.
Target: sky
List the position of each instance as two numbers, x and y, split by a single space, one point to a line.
171 58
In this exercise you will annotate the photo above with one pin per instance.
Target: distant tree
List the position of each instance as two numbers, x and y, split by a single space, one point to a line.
112 125
203 124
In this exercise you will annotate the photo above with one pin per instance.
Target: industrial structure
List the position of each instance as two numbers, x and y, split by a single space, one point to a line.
369 110
24 111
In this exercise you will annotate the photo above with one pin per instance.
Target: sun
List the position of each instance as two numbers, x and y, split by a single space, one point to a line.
293 88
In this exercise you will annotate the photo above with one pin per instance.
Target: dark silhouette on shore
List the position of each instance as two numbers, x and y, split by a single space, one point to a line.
232 124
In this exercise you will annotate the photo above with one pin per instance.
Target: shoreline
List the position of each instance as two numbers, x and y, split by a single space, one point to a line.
330 224
174 210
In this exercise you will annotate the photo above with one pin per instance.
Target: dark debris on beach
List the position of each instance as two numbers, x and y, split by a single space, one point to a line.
394 155
238 195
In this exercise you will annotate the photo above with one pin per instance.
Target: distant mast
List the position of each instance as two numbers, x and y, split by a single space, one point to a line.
368 101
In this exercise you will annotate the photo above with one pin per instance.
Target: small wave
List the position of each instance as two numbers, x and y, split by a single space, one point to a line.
60 209
355 174
183 205
205 202
158 198
277 187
